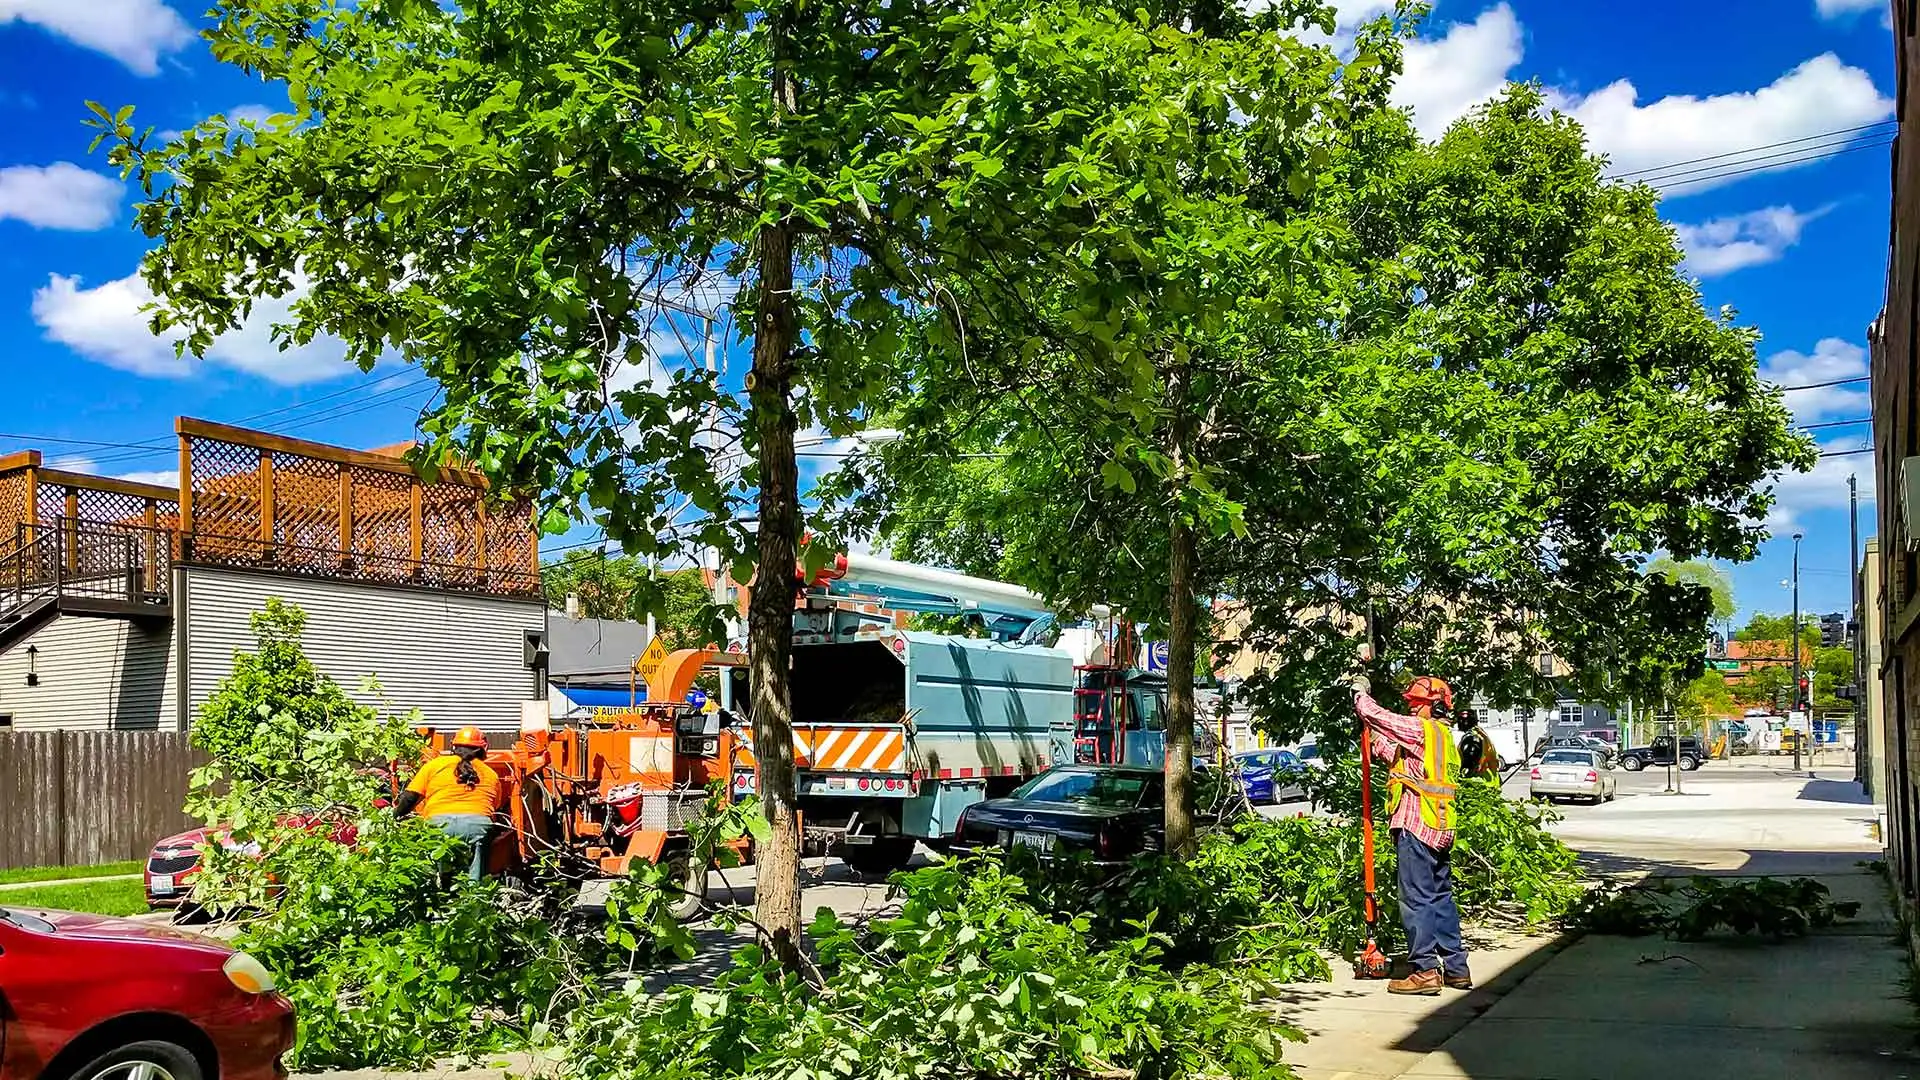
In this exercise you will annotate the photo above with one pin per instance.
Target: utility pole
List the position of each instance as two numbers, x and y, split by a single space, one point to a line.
1859 617
1793 645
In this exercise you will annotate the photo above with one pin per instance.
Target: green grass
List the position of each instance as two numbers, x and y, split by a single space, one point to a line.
100 898
62 873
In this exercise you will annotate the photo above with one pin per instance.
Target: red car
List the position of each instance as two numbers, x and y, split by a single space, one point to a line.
92 998
175 860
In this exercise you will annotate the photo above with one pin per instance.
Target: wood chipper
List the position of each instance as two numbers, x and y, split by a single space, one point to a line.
596 794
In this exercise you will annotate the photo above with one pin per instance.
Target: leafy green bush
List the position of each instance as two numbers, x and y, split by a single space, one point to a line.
970 980
1269 894
1693 908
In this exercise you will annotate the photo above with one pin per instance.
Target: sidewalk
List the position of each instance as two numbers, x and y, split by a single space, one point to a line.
1833 1005
1829 1005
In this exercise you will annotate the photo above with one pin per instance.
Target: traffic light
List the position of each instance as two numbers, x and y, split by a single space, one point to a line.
1802 703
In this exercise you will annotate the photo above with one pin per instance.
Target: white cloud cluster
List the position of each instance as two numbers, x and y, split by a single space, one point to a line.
1820 95
1832 359
135 32
1836 9
1797 495
1725 244
58 196
1448 73
108 324
1453 66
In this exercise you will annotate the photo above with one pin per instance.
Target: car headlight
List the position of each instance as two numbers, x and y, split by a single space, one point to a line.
250 975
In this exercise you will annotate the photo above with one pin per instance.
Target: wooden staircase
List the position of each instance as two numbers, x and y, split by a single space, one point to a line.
83 568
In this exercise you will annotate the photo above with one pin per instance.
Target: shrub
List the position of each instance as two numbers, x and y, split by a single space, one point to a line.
970 980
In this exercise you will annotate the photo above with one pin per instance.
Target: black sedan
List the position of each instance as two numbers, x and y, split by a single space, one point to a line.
1112 812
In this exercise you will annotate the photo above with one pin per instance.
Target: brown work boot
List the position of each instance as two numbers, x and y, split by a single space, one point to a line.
1462 981
1425 983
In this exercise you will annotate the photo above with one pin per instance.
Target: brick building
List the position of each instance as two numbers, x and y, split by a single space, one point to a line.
1896 428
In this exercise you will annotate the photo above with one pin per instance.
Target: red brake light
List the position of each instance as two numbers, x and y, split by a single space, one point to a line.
1103 843
960 826
1592 776
1536 773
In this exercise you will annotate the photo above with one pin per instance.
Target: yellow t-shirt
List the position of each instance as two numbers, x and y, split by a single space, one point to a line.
441 792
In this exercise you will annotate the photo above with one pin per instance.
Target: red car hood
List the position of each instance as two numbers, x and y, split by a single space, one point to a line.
72 924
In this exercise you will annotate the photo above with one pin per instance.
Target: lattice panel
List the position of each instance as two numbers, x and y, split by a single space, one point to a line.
226 501
100 507
510 552
13 506
306 521
450 531
306 511
382 513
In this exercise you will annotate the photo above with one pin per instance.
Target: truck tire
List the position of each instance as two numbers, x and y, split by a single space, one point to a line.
1688 763
873 862
692 885
1632 764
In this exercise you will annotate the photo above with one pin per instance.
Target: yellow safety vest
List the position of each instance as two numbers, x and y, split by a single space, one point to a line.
1436 790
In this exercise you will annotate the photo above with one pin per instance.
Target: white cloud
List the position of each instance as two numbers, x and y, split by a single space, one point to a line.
135 32
1450 68
1821 95
79 463
1723 245
162 477
1450 74
1797 495
1834 9
58 196
107 324
257 114
1832 359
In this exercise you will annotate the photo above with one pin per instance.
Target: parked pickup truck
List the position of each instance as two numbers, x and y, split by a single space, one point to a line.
1660 752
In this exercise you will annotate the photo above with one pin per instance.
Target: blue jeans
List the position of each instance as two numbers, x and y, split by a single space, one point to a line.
474 829
1427 909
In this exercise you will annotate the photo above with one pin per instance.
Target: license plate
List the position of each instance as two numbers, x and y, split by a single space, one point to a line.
1038 841
162 885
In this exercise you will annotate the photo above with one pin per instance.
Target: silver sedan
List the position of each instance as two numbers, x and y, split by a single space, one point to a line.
1571 774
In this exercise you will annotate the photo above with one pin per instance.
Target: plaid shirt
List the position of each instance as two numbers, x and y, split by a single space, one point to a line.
1394 737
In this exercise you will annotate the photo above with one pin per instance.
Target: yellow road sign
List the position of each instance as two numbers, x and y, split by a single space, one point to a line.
649 663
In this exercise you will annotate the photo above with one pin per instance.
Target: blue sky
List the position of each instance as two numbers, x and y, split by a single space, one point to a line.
1798 247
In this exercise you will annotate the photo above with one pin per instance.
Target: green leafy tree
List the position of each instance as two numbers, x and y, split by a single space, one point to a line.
498 192
620 587
1713 578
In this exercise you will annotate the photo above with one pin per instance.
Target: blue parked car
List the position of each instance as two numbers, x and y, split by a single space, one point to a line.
1271 776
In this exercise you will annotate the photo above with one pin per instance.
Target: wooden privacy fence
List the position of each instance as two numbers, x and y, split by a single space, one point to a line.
76 798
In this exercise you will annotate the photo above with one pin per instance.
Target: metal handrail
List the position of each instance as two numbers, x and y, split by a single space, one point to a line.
105 561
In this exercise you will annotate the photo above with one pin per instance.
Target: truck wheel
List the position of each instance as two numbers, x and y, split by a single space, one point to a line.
1688 764
873 862
1632 764
691 885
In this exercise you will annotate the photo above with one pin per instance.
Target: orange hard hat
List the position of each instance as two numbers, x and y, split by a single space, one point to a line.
1428 689
469 736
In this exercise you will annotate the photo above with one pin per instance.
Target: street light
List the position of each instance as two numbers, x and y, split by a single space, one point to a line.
1793 645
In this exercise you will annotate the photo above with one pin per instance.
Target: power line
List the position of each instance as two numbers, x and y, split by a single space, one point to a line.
1830 382
1732 172
1837 423
1847 453
1751 149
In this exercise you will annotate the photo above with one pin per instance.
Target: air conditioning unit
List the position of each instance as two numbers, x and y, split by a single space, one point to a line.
1910 502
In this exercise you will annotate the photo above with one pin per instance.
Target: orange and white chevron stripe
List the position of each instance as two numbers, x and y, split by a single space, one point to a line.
842 749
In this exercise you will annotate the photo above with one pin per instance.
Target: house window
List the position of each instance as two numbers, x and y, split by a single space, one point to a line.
1571 715
6 720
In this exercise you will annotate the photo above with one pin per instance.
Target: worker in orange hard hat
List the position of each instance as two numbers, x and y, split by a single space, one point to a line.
459 793
1425 766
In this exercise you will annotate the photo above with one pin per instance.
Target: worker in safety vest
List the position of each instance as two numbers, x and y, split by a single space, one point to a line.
1478 756
459 793
1424 774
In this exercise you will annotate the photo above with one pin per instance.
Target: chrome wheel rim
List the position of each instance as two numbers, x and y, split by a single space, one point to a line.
134 1070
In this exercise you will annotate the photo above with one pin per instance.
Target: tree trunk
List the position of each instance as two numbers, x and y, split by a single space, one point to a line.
1180 636
770 608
